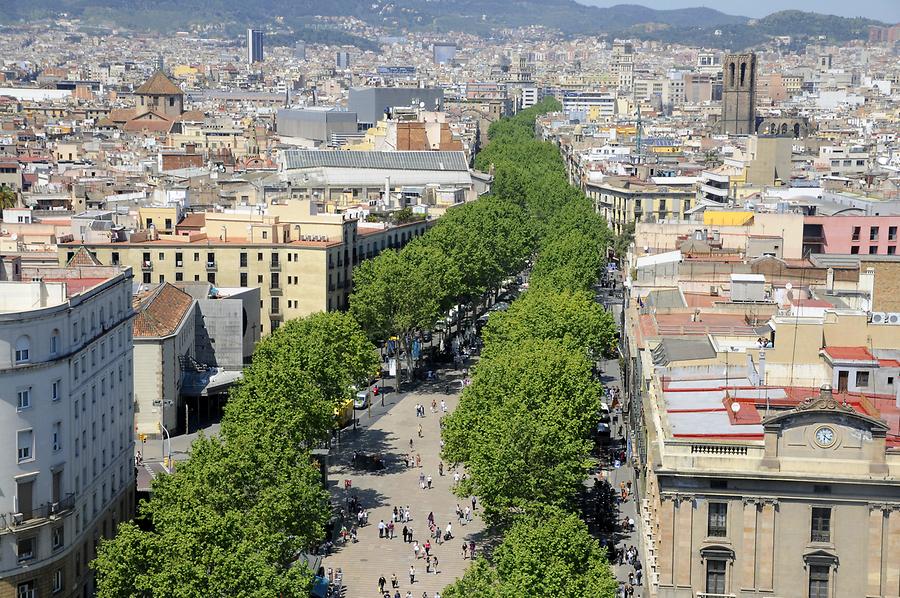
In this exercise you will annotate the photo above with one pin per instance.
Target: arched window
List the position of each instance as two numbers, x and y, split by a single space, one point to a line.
797 130
23 349
784 129
54 342
731 74
743 72
102 317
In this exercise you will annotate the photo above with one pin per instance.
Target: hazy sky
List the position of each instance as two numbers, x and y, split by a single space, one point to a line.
883 10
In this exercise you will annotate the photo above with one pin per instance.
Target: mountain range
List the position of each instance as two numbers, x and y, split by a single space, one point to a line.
698 26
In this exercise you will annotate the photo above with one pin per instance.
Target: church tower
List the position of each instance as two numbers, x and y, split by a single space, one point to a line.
739 94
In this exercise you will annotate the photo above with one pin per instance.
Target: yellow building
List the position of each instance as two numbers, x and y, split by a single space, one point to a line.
301 262
623 201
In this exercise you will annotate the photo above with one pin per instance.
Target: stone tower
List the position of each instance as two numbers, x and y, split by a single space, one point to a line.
739 94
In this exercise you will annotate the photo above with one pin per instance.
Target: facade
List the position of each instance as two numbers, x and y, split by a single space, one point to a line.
586 101
623 64
739 94
317 125
66 471
443 52
625 201
851 234
370 103
254 46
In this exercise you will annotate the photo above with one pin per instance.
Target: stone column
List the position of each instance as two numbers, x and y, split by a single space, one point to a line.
876 541
892 571
684 519
766 545
748 549
666 539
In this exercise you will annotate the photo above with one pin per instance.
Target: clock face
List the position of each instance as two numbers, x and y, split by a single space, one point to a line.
824 436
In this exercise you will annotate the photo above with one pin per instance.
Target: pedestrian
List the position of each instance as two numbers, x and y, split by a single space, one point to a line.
427 546
381 529
394 582
631 578
420 430
390 527
416 548
465 549
472 549
381 582
410 444
473 503
443 406
427 563
434 565
437 535
408 514
409 594
441 468
412 575
468 514
428 480
397 594
456 477
431 517
449 533
405 533
418 460
434 405
637 576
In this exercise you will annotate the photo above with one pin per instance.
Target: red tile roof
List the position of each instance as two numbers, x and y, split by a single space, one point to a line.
158 84
849 353
161 311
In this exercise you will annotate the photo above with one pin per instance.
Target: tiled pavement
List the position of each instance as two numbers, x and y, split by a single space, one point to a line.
397 485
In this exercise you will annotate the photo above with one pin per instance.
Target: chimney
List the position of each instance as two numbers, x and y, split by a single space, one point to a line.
829 280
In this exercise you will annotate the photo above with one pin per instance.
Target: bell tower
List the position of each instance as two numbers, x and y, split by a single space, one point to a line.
739 94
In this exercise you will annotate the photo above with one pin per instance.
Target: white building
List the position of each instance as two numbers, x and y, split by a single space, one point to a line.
66 445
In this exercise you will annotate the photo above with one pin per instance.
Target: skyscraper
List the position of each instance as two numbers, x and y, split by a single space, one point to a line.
254 45
739 94
342 59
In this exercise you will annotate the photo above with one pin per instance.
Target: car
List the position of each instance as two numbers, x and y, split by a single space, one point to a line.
361 400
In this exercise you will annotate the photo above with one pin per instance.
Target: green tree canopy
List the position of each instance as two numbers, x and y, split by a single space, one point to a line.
572 317
549 553
522 428
570 261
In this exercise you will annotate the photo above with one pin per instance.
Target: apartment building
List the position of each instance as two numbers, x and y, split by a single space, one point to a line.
301 261
66 468
766 434
629 200
851 234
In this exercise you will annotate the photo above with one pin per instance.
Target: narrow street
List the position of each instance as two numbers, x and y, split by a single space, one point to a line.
388 433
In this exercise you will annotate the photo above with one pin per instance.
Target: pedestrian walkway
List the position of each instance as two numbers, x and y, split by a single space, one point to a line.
362 563
628 509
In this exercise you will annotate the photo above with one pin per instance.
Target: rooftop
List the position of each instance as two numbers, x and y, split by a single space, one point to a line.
406 160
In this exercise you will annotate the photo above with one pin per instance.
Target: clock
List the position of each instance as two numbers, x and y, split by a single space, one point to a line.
825 436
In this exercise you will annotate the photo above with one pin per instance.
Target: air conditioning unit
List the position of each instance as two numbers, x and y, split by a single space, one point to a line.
893 318
54 508
178 263
879 317
18 518
210 264
714 290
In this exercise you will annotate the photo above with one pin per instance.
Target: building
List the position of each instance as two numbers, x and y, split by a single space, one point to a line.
624 201
254 45
623 64
739 94
319 125
599 103
443 52
371 103
66 470
342 59
851 233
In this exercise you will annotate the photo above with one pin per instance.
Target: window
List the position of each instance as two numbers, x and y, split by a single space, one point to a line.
821 524
873 249
56 436
873 233
818 581
57 537
243 279
54 390
162 278
58 581
211 278
890 381
25 445
854 250
243 259
275 305
196 257
162 256
259 257
717 520
265 234
115 258
259 279
856 231
892 249
25 550
54 342
715 576
892 233
862 379
23 399
23 349
146 278
168 223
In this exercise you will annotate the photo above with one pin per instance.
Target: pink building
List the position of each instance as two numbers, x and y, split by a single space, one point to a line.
863 235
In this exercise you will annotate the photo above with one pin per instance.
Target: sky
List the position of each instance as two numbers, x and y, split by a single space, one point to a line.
882 10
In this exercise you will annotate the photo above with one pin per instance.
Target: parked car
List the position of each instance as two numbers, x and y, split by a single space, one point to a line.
362 399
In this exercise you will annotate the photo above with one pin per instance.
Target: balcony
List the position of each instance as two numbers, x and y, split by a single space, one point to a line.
37 515
712 595
146 266
276 291
211 267
275 266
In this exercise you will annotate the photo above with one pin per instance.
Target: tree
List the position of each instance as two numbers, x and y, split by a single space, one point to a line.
549 553
572 317
522 428
570 261
400 292
624 240
8 198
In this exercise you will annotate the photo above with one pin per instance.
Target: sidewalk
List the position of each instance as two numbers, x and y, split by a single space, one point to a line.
379 492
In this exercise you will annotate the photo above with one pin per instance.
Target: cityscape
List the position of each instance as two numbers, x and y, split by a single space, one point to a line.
415 299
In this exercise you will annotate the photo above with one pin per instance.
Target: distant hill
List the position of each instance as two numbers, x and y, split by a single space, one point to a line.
294 18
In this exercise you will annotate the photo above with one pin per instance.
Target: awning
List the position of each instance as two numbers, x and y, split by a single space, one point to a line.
211 381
